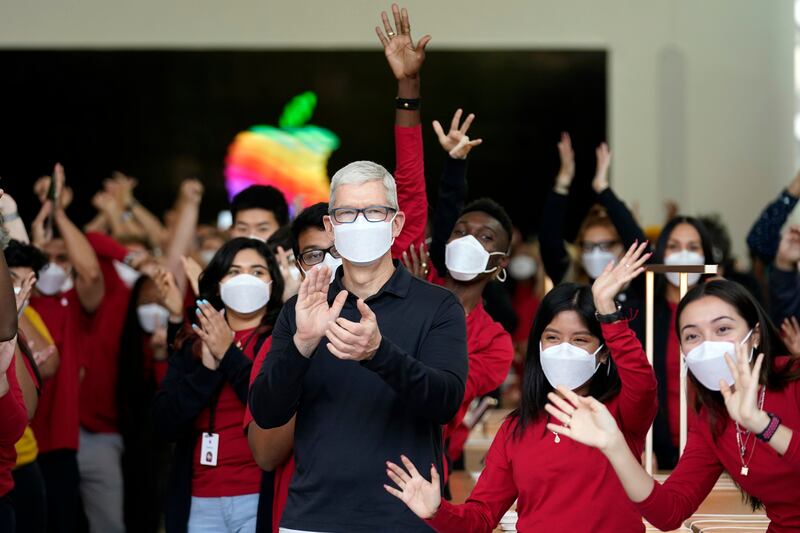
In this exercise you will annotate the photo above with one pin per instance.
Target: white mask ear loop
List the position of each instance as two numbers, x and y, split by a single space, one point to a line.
753 349
504 275
597 351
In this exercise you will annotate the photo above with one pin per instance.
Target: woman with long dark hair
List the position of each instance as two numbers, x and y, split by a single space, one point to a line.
683 241
215 483
748 415
579 340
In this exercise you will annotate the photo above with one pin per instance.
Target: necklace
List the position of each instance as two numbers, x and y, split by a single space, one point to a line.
743 439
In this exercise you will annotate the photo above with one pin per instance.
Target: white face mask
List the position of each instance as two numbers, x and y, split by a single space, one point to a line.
206 256
684 257
466 259
568 365
522 267
126 273
53 279
152 316
362 241
707 363
331 262
596 261
244 293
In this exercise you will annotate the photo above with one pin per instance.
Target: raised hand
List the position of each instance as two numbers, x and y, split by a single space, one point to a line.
105 203
192 269
417 263
354 341
122 188
214 330
600 181
191 191
312 312
616 276
168 293
423 497
789 249
456 143
742 400
791 335
567 171
404 58
291 283
25 290
41 234
583 419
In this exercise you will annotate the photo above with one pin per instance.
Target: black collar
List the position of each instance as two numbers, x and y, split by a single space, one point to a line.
397 285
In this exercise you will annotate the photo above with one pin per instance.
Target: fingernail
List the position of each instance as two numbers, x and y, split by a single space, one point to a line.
194 326
197 312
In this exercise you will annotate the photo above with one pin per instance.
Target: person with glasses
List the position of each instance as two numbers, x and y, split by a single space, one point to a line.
371 364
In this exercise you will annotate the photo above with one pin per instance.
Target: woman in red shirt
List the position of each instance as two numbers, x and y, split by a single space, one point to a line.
215 483
747 421
551 477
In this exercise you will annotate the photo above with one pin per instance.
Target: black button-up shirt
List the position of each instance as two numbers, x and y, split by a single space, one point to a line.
352 417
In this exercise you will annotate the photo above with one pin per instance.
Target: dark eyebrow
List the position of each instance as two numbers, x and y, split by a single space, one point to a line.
552 330
723 317
584 332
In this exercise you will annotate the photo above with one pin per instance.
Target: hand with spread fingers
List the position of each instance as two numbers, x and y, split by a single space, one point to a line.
418 263
291 283
25 290
214 330
354 341
169 294
423 497
583 419
741 400
456 142
404 57
313 315
617 275
790 330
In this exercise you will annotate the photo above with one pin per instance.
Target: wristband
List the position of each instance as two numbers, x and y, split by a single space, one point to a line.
407 104
611 317
772 427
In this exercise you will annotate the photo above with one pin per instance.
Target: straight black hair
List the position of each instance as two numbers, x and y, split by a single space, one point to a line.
605 384
264 197
312 217
663 238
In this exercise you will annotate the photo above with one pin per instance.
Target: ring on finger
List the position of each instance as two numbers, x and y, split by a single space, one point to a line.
391 34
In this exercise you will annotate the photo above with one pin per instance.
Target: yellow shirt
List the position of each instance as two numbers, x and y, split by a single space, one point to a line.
27 449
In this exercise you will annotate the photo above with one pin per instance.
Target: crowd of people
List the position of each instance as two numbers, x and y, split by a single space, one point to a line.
319 371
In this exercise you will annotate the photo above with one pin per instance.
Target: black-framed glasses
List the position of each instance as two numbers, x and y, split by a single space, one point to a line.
315 257
373 213
604 246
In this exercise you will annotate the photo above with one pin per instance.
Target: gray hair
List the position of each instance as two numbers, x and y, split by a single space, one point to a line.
361 172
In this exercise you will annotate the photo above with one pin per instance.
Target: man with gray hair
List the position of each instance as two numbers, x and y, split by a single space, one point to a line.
372 364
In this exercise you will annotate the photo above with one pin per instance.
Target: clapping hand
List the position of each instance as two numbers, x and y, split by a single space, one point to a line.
600 181
312 312
456 143
214 330
354 341
423 497
567 171
291 282
25 291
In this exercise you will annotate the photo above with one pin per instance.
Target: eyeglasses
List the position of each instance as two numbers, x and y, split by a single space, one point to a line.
315 257
605 246
373 213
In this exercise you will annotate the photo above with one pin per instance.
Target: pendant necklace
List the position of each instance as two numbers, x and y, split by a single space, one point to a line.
743 439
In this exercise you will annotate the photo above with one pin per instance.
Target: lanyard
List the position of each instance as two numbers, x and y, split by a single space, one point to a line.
212 408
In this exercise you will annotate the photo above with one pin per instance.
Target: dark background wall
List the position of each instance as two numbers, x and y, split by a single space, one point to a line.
163 116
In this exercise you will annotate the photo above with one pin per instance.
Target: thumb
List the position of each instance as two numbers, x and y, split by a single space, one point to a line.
424 42
366 312
338 304
434 477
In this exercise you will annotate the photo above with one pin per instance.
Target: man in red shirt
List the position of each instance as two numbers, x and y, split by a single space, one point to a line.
69 290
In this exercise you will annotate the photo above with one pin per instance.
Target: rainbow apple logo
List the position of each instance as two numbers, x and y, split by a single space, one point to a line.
292 157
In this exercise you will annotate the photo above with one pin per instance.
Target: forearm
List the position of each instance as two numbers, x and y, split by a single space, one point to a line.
409 177
433 393
635 480
182 240
89 277
622 218
151 224
451 198
98 224
8 303
551 237
275 392
236 367
271 447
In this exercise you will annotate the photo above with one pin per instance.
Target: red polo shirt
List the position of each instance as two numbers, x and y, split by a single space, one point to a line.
490 354
56 420
100 361
283 473
13 421
236 472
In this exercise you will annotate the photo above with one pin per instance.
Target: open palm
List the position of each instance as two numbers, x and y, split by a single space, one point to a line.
741 401
617 275
312 312
405 59
423 497
583 419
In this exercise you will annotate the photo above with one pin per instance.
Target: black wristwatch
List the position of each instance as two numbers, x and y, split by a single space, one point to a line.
611 317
